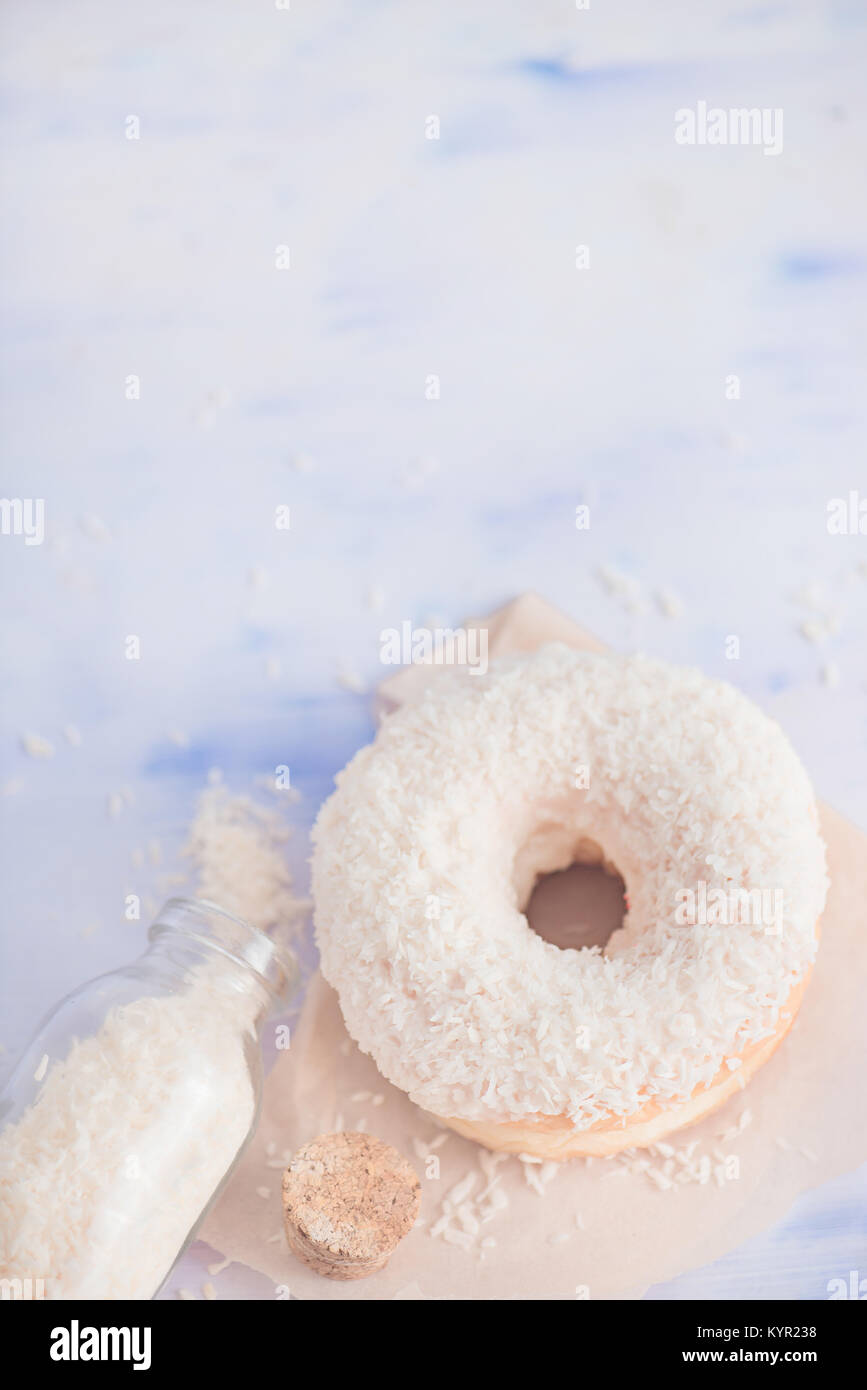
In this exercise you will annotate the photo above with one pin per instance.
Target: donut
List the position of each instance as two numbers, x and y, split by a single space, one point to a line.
427 852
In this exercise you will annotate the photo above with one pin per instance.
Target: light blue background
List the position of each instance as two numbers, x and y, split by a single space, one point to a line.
409 257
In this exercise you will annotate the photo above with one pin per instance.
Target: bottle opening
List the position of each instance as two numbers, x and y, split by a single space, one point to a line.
213 926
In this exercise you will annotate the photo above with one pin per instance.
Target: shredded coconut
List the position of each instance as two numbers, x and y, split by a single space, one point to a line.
669 1167
831 674
35 746
465 1210
94 528
468 795
349 679
237 848
669 604
124 1116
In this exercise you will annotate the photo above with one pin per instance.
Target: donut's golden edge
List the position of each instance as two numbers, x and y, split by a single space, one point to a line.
555 1137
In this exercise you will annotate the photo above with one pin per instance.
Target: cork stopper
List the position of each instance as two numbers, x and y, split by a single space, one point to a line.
348 1200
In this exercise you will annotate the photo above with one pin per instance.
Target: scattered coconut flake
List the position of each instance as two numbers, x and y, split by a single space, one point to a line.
440 1226
186 1296
168 881
263 1192
467 1218
498 1199
35 746
216 1269
533 1179
72 734
819 628
809 595
39 1074
455 1237
237 848
349 679
621 586
669 604
462 1189
831 674
209 1292
418 473
92 527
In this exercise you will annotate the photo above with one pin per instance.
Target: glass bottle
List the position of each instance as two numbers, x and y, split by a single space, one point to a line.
122 1121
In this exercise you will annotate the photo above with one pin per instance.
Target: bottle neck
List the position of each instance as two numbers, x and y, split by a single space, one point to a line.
199 940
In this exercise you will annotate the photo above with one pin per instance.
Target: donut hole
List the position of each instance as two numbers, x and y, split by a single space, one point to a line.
582 905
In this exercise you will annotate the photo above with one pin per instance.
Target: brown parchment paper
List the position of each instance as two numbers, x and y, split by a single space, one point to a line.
597 1232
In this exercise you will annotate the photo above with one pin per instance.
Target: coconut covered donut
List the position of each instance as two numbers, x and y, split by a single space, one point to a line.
427 853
